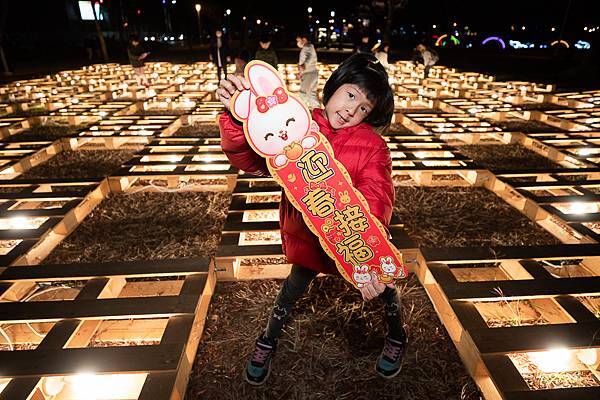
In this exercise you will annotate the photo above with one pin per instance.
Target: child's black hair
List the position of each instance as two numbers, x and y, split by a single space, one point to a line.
365 71
303 35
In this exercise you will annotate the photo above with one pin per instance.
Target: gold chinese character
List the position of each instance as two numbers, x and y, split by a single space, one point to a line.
354 250
351 219
314 166
319 202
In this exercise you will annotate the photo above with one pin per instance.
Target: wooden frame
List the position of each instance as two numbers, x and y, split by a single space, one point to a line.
107 295
52 224
518 274
176 160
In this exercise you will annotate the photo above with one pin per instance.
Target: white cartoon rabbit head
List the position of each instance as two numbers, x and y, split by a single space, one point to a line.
272 117
362 275
387 265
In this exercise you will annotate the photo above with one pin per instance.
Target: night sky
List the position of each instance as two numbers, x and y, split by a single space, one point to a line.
50 15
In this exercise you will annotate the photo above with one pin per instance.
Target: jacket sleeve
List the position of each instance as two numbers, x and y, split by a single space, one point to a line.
303 56
375 183
237 149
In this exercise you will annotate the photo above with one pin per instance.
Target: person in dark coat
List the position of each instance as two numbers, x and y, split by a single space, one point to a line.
363 45
219 53
266 53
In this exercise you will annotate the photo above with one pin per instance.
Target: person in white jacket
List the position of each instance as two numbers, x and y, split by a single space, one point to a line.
309 75
430 57
381 53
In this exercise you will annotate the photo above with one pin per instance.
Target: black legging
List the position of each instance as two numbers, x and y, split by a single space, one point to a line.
296 285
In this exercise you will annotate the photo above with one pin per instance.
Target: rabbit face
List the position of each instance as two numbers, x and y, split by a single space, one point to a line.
387 265
361 275
273 118
280 126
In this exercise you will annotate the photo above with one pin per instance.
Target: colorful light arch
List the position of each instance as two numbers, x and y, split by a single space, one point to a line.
442 40
494 39
563 42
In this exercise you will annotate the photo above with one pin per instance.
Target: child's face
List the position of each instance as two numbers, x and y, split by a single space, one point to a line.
265 45
347 107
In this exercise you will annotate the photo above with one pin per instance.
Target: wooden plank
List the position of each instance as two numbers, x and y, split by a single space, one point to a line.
536 337
125 359
156 307
453 255
53 272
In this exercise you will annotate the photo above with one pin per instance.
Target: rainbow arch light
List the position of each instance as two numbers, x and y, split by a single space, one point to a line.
563 42
442 40
496 39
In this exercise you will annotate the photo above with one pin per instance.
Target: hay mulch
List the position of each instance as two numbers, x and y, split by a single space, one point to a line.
147 226
538 380
32 112
464 217
520 125
328 349
48 132
540 107
199 130
419 110
156 111
506 156
399 129
82 164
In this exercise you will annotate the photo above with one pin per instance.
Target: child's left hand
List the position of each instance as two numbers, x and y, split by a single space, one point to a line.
373 288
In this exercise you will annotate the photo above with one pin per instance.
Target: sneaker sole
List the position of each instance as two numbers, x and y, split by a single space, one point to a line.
389 376
254 383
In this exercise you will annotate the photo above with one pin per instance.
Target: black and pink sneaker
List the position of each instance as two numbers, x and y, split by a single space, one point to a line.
259 366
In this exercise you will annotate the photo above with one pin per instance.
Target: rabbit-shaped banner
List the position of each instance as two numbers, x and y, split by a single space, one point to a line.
279 128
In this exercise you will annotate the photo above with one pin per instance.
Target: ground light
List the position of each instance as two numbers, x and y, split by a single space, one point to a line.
556 360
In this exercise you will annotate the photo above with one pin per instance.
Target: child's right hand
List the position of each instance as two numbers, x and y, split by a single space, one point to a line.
228 87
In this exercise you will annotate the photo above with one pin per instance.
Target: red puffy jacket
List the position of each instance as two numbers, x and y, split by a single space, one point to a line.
360 149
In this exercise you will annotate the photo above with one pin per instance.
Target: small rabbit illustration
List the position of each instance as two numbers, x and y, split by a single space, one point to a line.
387 265
362 275
278 124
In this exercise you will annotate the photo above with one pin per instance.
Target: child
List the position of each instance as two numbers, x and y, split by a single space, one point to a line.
266 53
307 67
136 58
381 52
357 99
430 57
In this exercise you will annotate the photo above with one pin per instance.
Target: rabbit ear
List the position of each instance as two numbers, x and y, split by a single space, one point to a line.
263 78
241 104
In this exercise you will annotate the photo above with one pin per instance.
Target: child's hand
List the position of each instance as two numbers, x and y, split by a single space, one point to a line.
373 288
228 87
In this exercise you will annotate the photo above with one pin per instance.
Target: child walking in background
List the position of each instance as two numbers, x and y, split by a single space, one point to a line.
430 57
137 55
357 99
309 75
